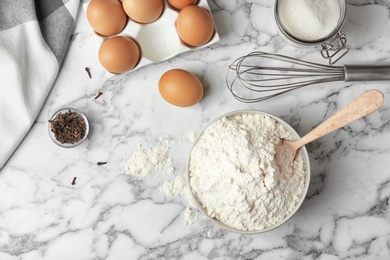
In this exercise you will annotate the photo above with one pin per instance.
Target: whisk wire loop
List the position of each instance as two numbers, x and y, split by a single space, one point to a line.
250 81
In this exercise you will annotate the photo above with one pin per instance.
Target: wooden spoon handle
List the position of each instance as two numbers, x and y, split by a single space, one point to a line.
363 105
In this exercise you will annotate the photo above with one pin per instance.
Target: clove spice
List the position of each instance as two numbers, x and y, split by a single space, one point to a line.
88 72
98 95
101 163
74 181
68 128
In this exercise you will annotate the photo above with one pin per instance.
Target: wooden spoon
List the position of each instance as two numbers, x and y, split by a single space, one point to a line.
363 105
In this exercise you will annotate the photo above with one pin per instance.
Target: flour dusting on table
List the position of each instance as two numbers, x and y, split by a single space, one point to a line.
144 162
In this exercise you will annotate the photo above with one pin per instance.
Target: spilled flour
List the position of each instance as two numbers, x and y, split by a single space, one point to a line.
144 162
179 186
191 136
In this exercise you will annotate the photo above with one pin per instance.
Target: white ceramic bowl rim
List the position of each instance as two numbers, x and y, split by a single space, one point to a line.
303 152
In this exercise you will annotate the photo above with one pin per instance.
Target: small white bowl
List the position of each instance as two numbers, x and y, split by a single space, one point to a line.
80 115
303 152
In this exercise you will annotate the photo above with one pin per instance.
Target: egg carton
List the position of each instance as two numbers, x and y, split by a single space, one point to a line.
159 40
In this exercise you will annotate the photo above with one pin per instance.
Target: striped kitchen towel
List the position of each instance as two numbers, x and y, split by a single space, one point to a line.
34 36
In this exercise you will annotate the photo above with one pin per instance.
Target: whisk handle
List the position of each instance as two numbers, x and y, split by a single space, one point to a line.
367 72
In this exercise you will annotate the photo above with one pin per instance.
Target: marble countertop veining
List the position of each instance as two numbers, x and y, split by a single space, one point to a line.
110 215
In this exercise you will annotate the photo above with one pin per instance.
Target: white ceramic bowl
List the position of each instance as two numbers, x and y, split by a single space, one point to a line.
303 153
68 145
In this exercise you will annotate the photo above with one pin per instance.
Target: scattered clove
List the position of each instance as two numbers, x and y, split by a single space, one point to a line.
101 163
68 128
88 72
98 95
74 181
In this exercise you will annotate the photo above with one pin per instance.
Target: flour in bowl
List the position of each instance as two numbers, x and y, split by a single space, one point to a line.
243 175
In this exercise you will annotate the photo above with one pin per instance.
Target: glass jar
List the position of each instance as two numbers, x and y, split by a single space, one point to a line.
333 44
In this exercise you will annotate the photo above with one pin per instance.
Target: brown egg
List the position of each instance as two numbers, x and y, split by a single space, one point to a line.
119 54
180 4
143 11
195 25
180 88
106 17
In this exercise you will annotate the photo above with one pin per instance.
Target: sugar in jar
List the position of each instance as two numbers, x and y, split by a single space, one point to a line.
312 22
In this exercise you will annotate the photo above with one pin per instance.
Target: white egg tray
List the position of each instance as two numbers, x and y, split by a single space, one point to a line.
159 40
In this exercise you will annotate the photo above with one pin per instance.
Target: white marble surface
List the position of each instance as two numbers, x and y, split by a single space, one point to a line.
109 215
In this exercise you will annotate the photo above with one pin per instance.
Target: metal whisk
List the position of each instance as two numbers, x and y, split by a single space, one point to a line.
259 75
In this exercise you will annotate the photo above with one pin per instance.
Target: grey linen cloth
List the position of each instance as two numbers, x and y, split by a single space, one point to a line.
34 37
